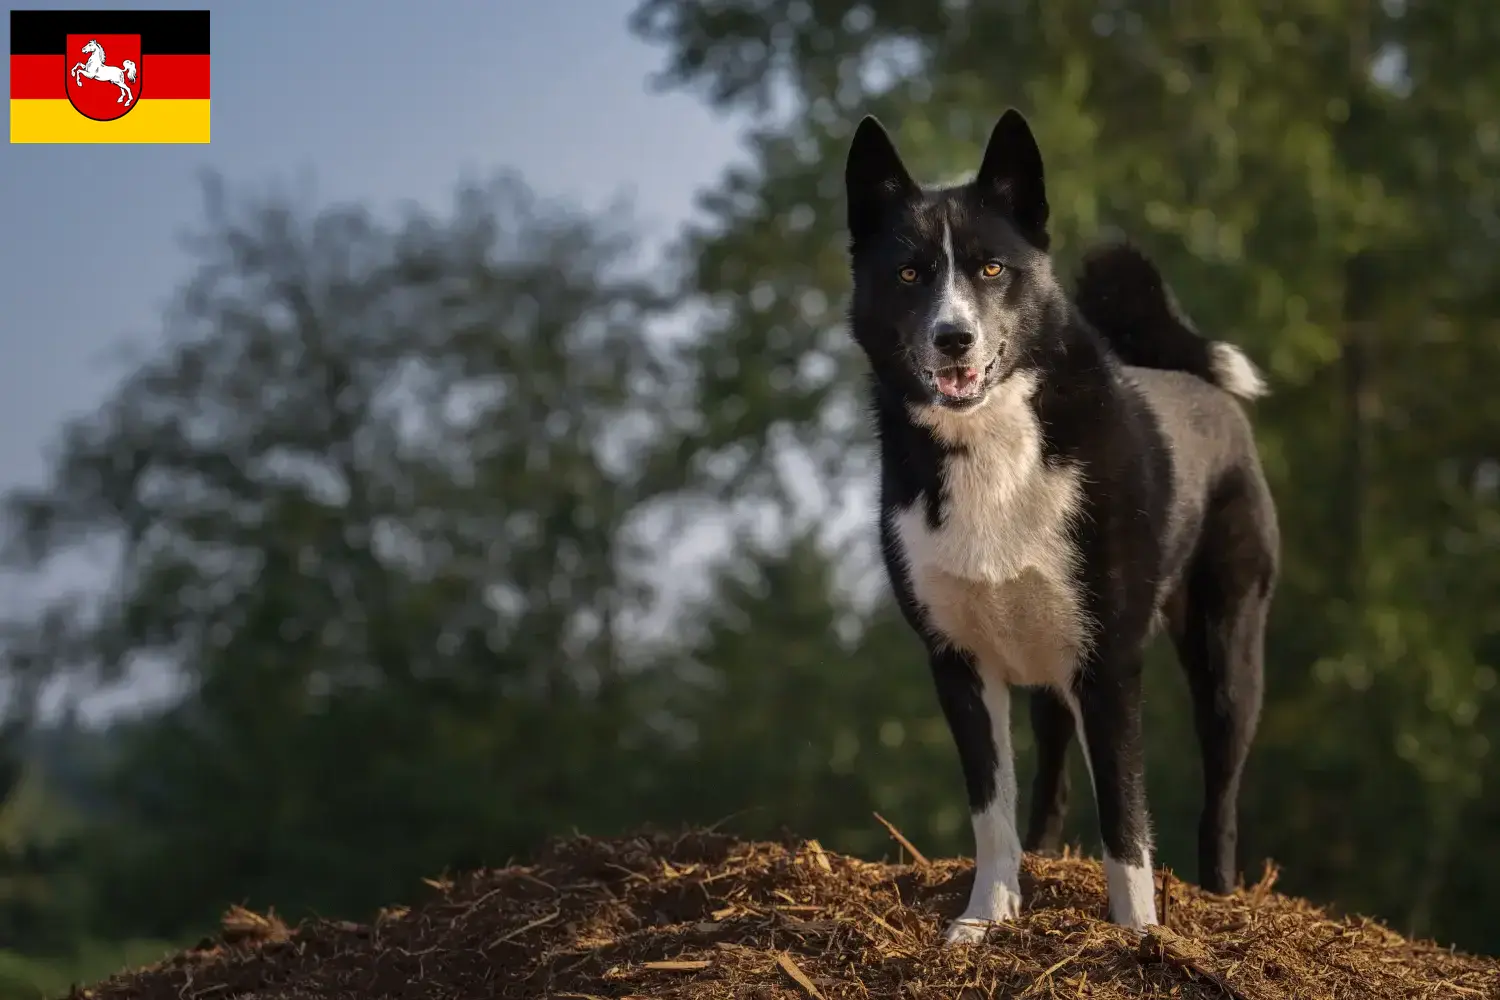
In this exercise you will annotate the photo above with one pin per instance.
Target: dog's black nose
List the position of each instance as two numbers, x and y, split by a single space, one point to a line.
953 340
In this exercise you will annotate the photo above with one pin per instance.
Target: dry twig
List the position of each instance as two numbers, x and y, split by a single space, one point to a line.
900 838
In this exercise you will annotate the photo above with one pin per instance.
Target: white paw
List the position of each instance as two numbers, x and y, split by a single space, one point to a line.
966 930
1132 894
988 908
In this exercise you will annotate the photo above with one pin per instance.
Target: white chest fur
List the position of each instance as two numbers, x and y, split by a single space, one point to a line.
996 577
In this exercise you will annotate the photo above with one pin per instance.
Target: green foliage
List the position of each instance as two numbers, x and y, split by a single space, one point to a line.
394 498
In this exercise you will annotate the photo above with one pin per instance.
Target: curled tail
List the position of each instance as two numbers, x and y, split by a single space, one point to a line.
1121 292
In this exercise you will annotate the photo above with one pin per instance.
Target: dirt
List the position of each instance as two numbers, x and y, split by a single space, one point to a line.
705 915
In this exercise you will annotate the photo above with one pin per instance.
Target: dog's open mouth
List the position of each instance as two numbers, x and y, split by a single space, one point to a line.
961 382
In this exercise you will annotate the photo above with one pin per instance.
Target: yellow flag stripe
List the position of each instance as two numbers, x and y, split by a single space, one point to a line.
151 121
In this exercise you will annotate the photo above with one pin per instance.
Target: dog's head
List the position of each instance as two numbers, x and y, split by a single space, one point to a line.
950 284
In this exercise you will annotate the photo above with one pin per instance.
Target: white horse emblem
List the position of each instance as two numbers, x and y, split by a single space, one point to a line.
95 69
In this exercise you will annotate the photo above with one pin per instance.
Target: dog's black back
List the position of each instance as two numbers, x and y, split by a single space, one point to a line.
1056 475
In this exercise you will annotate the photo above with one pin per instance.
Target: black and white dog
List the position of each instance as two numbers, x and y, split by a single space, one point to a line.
1057 476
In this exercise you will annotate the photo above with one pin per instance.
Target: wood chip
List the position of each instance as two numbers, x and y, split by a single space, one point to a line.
1162 944
683 966
819 857
790 968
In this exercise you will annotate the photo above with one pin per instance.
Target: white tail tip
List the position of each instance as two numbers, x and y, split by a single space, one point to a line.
1235 373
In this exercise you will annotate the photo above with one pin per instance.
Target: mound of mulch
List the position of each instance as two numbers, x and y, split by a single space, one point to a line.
709 916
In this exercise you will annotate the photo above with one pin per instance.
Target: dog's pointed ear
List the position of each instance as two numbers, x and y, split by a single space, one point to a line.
1012 167
874 178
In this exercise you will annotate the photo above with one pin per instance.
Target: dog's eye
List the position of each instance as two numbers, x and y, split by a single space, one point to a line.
992 269
907 274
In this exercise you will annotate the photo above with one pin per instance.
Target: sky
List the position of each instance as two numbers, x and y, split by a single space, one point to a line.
384 101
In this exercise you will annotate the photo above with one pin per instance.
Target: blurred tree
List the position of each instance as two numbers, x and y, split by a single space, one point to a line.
785 704
373 501
44 899
1321 183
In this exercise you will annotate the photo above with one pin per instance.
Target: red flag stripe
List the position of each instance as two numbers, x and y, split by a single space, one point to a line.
162 77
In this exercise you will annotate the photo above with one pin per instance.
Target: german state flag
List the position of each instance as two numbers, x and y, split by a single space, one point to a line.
109 76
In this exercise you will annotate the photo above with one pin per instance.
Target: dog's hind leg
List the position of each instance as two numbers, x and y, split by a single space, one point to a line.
1220 640
1052 726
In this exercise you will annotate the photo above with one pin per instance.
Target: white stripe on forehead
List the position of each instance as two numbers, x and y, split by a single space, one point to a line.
955 301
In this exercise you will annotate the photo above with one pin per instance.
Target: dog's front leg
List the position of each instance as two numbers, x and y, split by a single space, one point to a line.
978 713
1108 691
